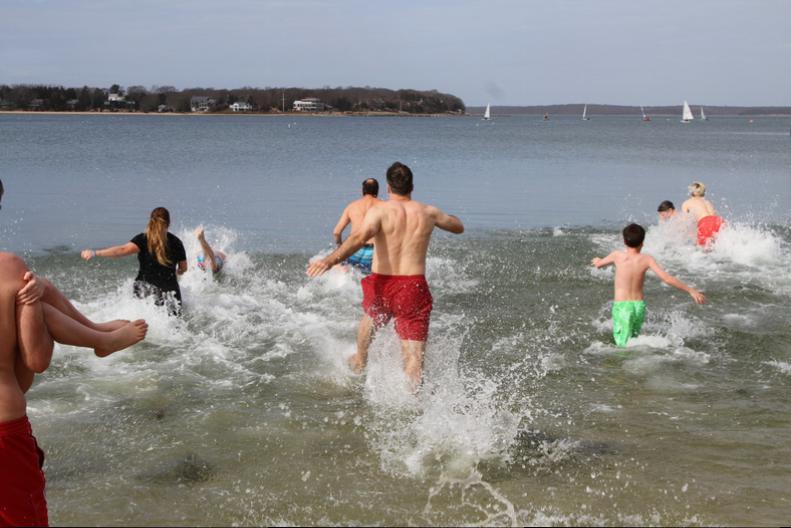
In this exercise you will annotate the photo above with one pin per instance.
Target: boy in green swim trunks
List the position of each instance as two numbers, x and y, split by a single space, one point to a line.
628 309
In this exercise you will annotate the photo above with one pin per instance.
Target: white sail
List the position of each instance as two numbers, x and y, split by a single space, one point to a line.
702 114
687 116
488 113
585 113
642 111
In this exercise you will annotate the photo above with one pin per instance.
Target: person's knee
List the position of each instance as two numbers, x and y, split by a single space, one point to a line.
12 268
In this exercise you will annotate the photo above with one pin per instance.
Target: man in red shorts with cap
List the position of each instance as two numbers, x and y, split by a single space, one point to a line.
397 289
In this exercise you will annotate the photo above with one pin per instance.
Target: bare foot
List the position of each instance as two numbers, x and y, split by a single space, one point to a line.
109 326
122 338
355 364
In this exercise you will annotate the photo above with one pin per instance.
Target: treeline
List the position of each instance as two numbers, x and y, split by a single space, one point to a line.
168 98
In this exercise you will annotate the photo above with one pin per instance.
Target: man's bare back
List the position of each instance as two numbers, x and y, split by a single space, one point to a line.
353 214
403 235
699 207
401 230
12 399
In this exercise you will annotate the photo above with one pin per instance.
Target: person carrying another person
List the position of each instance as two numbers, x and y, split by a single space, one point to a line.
161 256
33 316
215 259
397 289
666 210
709 224
628 309
354 213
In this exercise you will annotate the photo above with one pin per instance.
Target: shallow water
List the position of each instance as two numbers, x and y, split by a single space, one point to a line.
242 411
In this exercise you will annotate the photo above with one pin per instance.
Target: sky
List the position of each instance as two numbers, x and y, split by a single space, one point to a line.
503 52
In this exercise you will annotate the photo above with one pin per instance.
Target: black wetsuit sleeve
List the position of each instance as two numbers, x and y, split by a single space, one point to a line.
179 253
140 241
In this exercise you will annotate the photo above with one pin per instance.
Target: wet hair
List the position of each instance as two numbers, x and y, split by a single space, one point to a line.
371 186
667 205
399 178
157 235
697 189
633 235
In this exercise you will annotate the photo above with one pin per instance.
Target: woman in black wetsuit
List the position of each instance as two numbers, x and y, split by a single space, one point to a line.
161 256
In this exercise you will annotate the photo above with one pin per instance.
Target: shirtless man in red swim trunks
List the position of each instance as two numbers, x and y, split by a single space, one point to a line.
33 313
709 224
397 288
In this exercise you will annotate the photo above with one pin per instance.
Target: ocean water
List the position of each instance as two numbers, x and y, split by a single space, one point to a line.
243 412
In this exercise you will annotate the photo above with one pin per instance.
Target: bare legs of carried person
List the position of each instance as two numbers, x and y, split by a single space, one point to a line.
40 324
412 353
54 318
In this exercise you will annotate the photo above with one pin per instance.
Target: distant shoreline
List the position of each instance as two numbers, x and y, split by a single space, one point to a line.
205 114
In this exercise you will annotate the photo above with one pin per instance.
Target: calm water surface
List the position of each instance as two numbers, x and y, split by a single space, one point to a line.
242 412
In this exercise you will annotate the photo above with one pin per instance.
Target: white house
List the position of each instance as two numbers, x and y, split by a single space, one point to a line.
115 98
201 103
309 104
241 106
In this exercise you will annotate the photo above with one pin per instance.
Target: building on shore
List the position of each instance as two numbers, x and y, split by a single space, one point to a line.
241 106
309 104
116 102
202 103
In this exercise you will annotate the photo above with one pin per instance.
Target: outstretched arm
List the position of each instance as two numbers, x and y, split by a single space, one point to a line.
697 296
371 226
606 261
447 222
130 248
337 233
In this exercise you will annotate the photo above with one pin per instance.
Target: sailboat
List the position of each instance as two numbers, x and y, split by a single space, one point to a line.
686 115
645 117
702 115
487 115
585 114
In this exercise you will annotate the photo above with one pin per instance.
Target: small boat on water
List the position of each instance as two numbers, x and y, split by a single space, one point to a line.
546 116
686 114
487 115
645 116
703 115
585 114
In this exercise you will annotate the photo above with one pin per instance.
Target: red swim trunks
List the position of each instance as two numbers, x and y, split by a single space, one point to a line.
708 227
405 297
22 501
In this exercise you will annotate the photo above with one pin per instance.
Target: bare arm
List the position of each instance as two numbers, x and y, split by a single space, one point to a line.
448 222
371 226
337 233
606 261
35 288
697 296
123 250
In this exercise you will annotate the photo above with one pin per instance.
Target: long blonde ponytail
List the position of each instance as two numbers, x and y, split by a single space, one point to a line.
157 235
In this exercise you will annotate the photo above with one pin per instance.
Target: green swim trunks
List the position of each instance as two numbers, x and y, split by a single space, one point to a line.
627 320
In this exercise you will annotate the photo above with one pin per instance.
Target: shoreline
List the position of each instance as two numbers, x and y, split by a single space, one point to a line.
197 114
340 114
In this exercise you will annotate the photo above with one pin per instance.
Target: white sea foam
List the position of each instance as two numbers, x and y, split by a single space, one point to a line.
783 366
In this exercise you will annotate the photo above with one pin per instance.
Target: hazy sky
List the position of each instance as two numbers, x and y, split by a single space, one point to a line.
652 52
